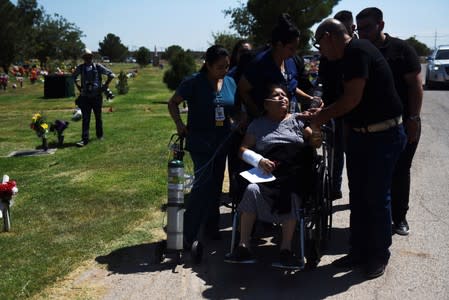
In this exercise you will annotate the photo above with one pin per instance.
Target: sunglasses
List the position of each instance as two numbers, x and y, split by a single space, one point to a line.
316 41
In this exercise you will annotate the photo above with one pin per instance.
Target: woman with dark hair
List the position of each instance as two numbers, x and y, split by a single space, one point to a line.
210 98
273 65
240 48
274 143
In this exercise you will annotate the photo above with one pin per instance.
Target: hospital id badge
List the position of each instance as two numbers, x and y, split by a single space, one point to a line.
219 115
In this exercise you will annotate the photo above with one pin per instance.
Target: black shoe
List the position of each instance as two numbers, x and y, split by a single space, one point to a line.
289 261
375 269
240 255
401 228
81 143
336 195
347 262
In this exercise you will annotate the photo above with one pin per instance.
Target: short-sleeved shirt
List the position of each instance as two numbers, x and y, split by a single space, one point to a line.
380 101
402 59
203 133
331 76
268 132
263 71
91 78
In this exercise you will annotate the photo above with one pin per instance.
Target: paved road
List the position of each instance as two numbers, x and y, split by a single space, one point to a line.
418 269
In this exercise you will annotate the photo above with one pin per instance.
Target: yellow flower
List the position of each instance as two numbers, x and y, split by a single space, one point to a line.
44 126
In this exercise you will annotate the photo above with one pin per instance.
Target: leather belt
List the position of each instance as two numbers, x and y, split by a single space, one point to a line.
381 126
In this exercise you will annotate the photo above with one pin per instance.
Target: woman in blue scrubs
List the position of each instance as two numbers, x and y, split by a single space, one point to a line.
210 98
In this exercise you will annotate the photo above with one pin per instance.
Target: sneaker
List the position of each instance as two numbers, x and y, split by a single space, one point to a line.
81 143
288 260
401 228
241 255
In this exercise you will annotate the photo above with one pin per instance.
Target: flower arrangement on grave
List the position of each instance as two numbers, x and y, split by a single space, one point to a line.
42 128
40 125
8 188
58 128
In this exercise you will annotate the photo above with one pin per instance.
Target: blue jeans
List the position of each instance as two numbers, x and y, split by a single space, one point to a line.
203 204
400 186
371 158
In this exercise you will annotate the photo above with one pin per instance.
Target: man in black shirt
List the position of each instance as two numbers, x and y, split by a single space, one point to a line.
329 74
372 111
406 68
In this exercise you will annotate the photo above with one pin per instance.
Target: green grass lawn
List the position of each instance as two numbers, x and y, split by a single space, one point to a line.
73 205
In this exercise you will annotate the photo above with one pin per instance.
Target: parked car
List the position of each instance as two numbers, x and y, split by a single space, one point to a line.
438 67
105 59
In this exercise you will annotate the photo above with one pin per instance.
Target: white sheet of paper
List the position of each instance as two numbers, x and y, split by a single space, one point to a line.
256 175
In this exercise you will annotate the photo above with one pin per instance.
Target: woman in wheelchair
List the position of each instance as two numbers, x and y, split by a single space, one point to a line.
277 143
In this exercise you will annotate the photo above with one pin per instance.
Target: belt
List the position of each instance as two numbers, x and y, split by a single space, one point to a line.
381 126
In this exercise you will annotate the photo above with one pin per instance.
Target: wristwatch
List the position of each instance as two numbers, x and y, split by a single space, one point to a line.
415 118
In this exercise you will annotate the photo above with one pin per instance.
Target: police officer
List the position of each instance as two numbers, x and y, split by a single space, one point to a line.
91 89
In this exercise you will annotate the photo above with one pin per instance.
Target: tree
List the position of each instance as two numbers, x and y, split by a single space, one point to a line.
9 36
256 19
227 40
171 51
113 48
143 56
57 39
182 64
420 48
31 16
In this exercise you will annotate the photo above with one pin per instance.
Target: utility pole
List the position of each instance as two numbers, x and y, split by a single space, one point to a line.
435 41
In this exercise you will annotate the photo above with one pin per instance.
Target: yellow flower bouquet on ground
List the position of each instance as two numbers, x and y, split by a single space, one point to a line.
41 127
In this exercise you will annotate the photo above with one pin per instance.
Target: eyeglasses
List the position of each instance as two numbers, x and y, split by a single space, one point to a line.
316 41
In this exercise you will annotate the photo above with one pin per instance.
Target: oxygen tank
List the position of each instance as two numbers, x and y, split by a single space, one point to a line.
175 204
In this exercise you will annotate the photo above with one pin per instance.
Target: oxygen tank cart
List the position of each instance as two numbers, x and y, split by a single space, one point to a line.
175 209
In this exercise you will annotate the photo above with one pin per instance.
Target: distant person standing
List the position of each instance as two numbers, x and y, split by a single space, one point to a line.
406 68
91 98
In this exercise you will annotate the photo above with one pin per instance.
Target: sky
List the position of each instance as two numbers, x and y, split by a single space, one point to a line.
191 23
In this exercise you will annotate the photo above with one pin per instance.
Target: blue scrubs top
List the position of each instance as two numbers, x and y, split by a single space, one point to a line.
203 133
263 71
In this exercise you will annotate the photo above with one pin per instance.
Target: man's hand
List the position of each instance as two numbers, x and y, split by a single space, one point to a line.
413 127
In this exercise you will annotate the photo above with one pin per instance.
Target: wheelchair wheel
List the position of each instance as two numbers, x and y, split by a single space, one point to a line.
325 207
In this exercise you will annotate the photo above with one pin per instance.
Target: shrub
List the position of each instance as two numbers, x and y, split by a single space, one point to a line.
122 85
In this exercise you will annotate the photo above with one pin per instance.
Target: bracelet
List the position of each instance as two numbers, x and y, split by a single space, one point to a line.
251 157
415 118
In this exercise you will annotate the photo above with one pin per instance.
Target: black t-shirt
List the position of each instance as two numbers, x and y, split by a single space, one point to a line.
331 77
380 100
402 59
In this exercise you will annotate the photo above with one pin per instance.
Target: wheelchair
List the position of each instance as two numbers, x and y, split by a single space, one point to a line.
314 212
